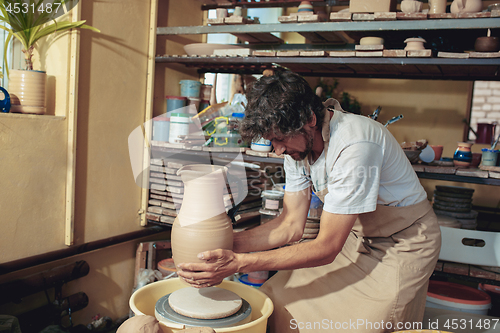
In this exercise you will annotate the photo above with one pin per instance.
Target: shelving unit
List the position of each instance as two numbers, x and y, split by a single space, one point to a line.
440 34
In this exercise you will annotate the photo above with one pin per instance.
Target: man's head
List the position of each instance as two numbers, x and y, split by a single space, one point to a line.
284 109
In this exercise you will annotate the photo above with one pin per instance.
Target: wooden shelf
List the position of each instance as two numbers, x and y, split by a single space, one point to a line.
461 179
415 68
360 26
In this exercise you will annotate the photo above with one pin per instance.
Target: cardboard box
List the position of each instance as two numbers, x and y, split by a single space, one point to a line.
372 6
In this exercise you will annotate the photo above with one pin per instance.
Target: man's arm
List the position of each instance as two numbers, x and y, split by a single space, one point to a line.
334 230
287 227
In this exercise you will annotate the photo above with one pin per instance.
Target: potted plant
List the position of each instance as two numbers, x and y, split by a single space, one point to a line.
28 21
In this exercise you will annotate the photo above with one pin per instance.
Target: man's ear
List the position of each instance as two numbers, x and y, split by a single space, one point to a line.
312 121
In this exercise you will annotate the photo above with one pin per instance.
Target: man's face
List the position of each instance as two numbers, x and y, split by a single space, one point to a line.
298 146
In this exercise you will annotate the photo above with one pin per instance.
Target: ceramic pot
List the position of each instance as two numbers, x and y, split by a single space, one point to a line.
487 44
466 6
463 155
411 6
202 223
27 91
414 44
438 152
437 6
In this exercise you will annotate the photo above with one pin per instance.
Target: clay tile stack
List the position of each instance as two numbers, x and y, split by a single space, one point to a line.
454 202
311 229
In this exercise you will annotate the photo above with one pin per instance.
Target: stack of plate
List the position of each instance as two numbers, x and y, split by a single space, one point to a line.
455 202
311 229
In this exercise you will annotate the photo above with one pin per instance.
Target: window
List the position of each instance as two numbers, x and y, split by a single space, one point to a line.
485 106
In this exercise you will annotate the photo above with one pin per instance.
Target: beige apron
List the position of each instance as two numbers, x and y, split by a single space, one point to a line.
377 283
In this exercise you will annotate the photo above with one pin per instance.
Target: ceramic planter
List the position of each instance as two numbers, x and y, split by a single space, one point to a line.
27 91
202 223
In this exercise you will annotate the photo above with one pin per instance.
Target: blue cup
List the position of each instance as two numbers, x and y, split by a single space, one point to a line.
5 103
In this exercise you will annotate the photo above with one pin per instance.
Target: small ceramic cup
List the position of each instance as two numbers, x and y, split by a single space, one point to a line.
490 157
221 12
438 152
237 11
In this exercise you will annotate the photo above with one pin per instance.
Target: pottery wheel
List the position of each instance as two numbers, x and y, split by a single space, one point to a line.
205 303
163 312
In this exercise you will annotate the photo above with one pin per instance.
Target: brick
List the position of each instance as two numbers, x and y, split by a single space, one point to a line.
496 92
477 108
479 114
495 115
481 84
493 100
482 120
479 99
487 107
493 84
481 273
496 107
482 92
455 268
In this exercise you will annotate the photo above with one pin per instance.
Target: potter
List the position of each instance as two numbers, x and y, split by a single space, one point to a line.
378 241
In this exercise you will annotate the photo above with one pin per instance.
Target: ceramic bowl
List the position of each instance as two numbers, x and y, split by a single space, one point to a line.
412 155
371 41
199 49
487 44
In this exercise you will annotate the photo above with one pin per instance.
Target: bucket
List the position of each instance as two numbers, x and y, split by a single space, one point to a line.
190 88
456 297
143 301
175 102
161 129
494 292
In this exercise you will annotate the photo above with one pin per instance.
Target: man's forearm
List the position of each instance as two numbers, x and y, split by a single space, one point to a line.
268 236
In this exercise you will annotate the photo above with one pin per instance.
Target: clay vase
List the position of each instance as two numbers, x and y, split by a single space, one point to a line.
466 6
202 223
463 155
437 6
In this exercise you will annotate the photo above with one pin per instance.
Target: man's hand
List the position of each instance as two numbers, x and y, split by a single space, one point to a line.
218 265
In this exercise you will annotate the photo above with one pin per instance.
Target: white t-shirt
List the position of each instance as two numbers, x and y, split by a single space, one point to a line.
364 166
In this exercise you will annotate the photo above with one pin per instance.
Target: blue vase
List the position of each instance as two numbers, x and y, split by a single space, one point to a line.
463 155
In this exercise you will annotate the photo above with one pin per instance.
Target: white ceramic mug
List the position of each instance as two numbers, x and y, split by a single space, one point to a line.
221 12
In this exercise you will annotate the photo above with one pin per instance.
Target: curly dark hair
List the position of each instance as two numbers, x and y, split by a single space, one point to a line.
280 104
